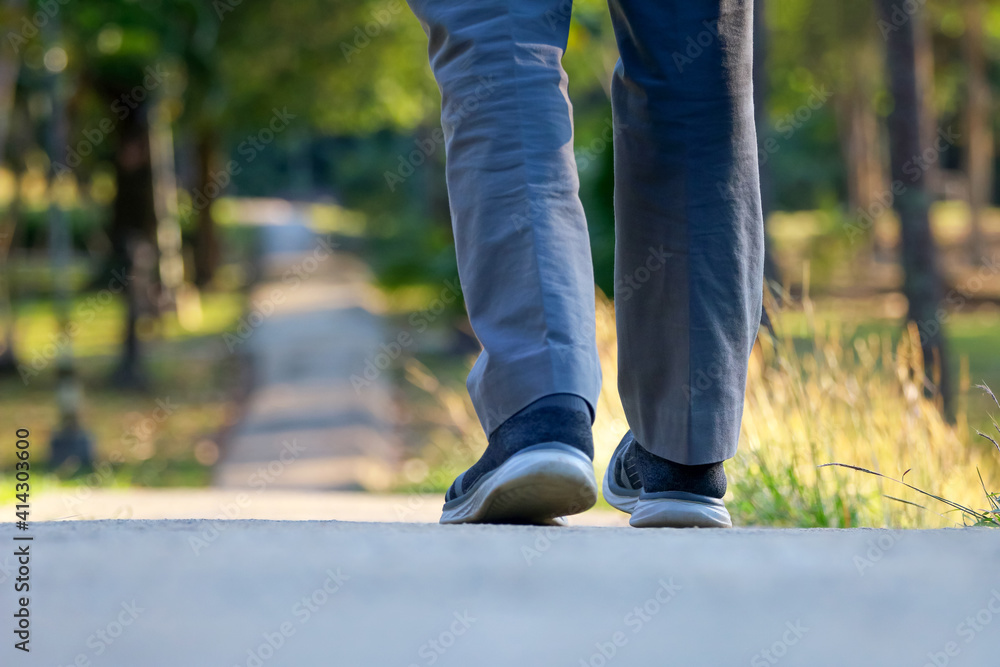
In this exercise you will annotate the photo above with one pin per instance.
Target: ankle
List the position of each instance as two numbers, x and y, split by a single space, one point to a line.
542 422
660 474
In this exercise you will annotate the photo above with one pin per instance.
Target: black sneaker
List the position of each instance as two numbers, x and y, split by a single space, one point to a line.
656 507
537 468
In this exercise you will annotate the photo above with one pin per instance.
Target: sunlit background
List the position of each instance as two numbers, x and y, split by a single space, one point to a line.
166 165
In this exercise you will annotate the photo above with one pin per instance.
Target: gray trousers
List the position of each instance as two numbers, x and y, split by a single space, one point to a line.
689 235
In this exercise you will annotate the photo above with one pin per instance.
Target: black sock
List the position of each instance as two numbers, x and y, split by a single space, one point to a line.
659 474
556 418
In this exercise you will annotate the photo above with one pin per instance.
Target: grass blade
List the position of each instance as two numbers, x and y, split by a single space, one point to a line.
979 516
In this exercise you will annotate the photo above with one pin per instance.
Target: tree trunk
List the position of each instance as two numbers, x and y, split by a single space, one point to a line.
168 227
8 356
10 66
979 135
206 245
922 282
133 214
857 126
133 238
772 273
140 300
924 66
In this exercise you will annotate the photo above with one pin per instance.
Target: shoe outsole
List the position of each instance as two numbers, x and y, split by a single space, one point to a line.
673 513
533 487
665 512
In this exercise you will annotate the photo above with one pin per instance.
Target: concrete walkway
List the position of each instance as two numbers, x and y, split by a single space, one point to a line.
313 324
255 593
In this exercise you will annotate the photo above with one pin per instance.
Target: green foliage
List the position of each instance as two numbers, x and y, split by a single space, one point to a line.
348 67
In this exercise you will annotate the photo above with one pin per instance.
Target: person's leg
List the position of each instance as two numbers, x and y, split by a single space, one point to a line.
689 234
520 232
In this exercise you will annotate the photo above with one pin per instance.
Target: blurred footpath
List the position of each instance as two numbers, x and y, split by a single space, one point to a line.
313 319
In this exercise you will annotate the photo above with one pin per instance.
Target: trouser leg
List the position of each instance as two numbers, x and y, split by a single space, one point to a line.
689 234
520 234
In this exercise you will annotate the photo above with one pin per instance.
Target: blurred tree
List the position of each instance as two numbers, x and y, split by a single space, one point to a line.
136 59
123 45
772 273
204 105
926 67
339 68
979 152
833 48
11 13
922 283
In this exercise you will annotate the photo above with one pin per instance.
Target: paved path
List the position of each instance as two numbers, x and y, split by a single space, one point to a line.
313 324
171 593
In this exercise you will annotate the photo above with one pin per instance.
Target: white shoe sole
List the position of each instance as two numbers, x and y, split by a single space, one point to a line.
673 513
536 486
